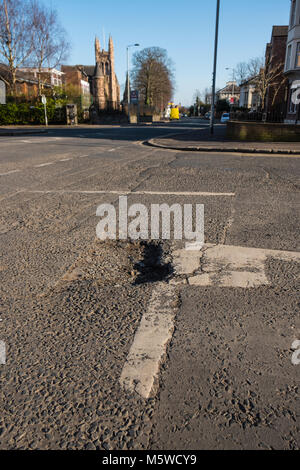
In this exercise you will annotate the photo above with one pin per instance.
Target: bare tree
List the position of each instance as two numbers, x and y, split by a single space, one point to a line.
16 36
255 65
241 72
153 76
269 78
50 46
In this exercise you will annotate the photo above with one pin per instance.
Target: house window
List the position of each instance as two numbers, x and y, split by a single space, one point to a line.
297 64
288 57
293 13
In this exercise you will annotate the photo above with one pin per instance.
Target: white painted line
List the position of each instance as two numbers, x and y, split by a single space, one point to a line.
149 193
65 159
141 369
2 353
228 266
183 193
44 164
9 172
83 156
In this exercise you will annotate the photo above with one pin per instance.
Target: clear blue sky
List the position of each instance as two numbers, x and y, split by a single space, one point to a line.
185 28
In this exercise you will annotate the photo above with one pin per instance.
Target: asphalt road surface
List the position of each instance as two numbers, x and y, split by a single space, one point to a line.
128 345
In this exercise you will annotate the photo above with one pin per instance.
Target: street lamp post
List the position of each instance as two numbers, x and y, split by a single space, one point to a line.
128 80
213 98
233 83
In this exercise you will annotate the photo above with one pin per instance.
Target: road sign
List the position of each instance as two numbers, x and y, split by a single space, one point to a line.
2 92
134 96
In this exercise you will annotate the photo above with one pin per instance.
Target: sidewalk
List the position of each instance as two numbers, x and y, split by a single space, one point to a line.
9 131
201 141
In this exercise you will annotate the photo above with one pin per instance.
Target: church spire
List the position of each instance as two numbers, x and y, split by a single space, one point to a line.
97 49
110 45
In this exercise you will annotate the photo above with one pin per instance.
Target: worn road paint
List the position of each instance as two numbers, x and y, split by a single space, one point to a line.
44 164
9 172
150 342
227 266
2 353
139 193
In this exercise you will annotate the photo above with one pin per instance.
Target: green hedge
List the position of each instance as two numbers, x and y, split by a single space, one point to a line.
31 113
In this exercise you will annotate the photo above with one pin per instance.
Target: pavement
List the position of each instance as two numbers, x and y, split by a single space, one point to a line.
137 345
200 140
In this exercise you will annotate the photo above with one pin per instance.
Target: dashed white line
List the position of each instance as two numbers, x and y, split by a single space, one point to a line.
141 369
9 172
44 164
65 159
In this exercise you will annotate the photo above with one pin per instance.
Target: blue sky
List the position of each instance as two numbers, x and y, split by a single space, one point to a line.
185 28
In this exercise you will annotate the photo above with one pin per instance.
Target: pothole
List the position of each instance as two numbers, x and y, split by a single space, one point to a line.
121 262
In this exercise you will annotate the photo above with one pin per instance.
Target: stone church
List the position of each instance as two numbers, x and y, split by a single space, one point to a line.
104 85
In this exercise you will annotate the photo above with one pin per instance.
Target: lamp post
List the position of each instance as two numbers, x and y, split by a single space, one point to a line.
128 82
233 83
213 98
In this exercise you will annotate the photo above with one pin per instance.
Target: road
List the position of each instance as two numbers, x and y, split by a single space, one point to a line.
81 372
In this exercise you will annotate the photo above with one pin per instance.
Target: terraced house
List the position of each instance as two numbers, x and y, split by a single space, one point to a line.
292 63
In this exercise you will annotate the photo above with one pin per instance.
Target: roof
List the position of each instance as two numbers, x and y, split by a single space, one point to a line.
229 89
280 31
250 81
20 76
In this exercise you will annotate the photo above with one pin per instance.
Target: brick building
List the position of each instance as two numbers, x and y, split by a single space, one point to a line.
292 65
27 86
276 93
104 86
45 75
77 83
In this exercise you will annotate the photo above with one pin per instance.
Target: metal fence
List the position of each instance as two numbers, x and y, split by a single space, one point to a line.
273 116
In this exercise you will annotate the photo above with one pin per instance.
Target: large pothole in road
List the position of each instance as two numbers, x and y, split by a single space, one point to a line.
122 262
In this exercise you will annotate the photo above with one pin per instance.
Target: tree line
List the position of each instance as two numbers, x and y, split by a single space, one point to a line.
31 35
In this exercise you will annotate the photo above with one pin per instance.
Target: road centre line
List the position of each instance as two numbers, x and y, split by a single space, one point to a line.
44 164
139 193
9 172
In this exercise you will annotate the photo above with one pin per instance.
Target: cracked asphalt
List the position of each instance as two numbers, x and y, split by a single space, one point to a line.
70 305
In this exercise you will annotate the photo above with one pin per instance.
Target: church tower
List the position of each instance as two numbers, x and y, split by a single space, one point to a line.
106 90
113 85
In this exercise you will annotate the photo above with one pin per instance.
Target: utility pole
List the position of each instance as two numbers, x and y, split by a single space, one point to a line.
212 115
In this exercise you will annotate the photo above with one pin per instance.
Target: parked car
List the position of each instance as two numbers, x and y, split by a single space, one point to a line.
225 117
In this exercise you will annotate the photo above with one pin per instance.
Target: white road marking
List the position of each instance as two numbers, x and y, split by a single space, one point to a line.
83 156
65 159
2 353
44 164
228 266
146 193
140 372
9 172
